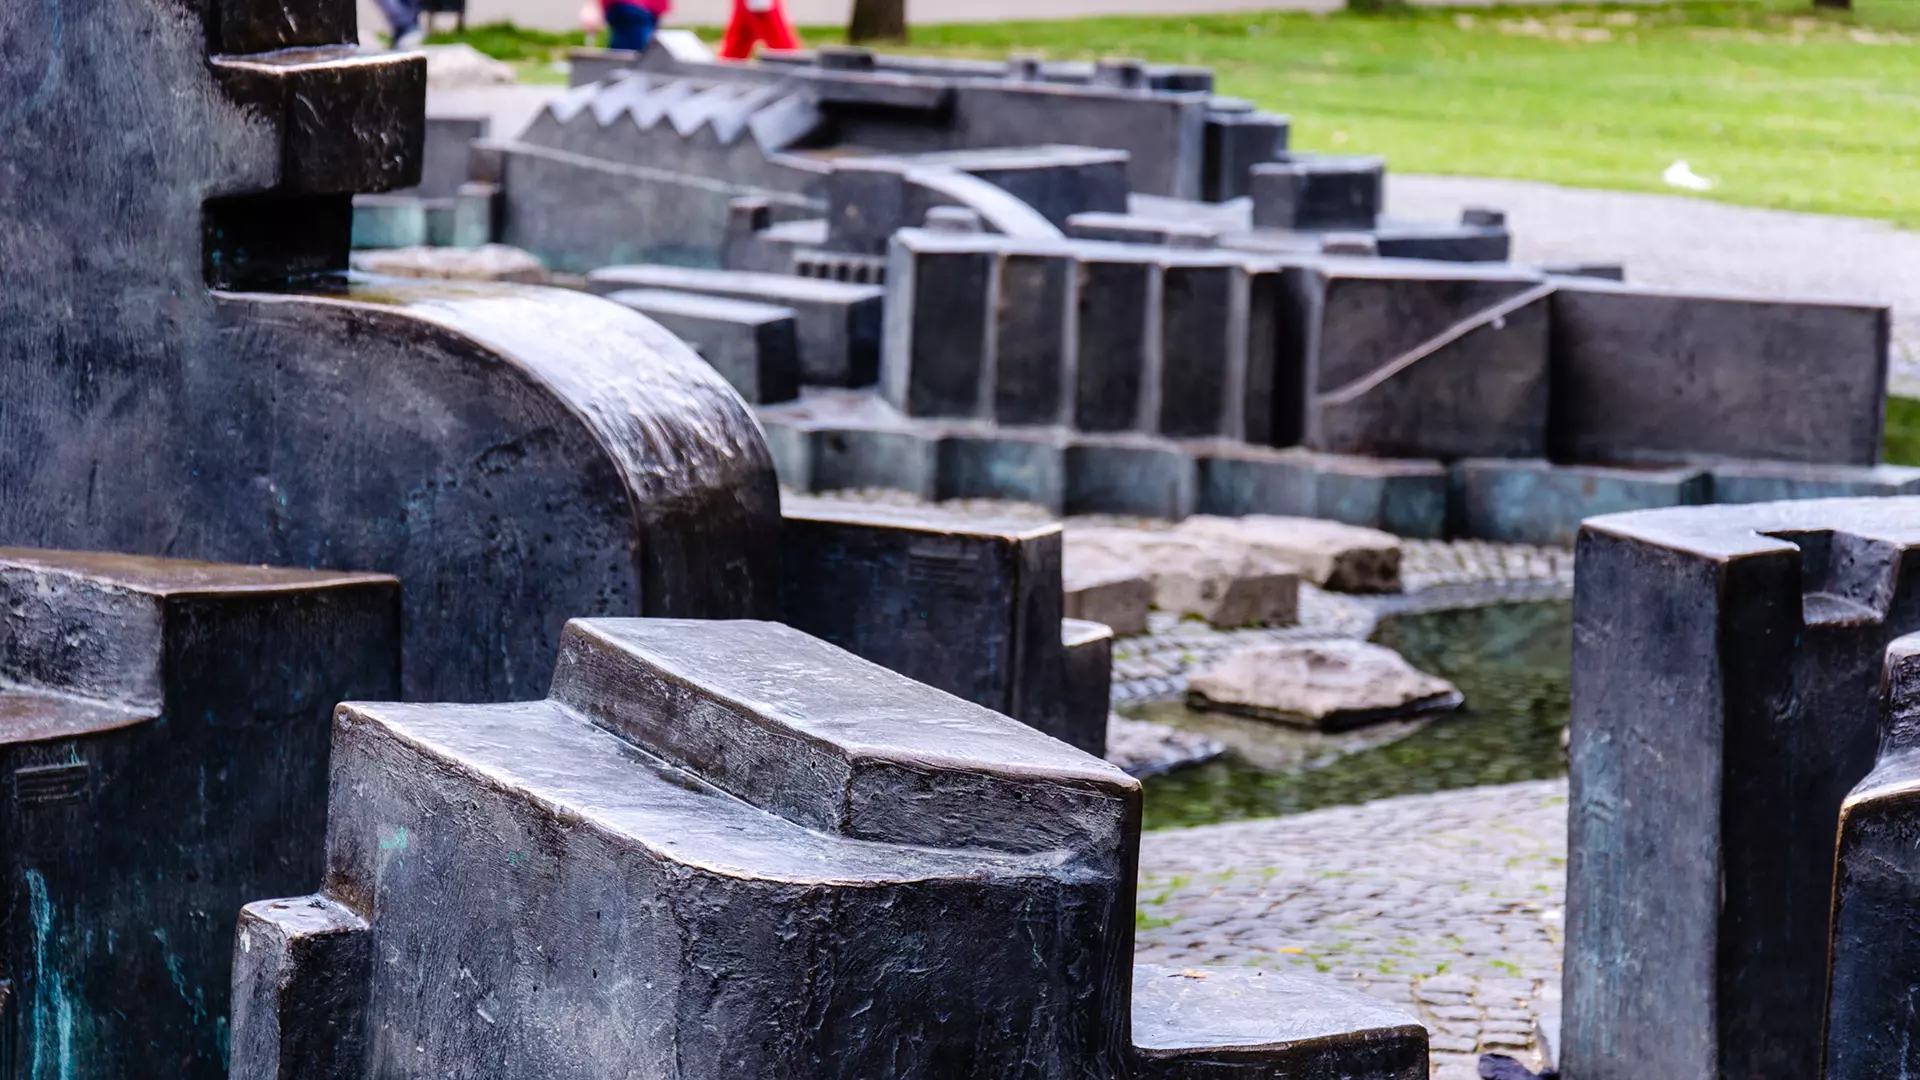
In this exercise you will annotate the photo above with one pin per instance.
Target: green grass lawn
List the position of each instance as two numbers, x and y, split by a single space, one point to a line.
1781 106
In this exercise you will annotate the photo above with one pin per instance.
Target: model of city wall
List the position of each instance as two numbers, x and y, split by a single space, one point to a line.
1105 288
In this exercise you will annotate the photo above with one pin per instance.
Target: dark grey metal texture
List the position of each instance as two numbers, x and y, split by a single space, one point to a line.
1875 951
1658 375
163 740
962 605
514 456
1726 665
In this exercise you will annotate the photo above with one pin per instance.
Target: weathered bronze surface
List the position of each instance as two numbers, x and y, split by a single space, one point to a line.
728 849
516 456
1725 699
1876 896
163 742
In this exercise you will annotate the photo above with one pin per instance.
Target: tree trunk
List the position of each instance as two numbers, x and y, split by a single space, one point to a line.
878 20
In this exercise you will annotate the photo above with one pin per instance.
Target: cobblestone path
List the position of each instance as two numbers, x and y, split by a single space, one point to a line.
1450 904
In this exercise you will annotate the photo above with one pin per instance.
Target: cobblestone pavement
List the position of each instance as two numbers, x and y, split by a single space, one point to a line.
1450 904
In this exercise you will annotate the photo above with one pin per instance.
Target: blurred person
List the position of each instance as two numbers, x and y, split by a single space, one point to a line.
404 17
762 22
630 24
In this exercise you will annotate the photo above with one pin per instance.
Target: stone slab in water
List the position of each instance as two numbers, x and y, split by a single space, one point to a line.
1332 555
1145 748
1726 673
754 346
1328 685
1227 585
164 737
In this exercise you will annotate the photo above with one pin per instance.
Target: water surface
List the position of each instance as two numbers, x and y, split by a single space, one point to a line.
1512 663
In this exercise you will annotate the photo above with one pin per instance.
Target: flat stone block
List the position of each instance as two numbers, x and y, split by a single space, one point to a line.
755 346
956 603
838 323
806 884
1770 481
1131 229
1058 181
1035 321
1657 375
1332 555
901 458
1203 349
1263 1024
1870 1029
1126 475
1540 502
1228 585
1000 463
1322 685
1103 589
1236 142
165 761
1405 498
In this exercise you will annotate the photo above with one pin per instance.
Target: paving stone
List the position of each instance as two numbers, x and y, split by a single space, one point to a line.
1104 589
1226 588
1343 558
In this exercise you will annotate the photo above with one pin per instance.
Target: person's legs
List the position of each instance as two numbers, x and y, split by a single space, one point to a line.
738 44
404 17
629 27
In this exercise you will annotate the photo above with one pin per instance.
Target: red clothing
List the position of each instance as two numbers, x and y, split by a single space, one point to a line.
658 7
747 28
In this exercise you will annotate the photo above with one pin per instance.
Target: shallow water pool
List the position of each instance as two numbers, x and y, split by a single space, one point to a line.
1512 663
